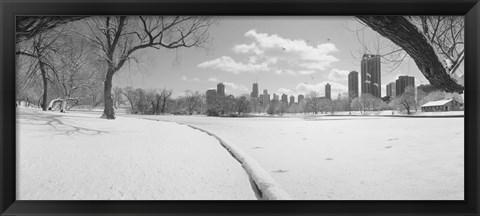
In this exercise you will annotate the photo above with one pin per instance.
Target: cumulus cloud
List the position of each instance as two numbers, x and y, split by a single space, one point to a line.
338 75
185 78
271 52
297 52
226 63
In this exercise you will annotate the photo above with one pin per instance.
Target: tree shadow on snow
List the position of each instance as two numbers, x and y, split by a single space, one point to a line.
55 122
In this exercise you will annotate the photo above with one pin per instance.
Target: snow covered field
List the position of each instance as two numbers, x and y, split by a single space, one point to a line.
350 158
78 156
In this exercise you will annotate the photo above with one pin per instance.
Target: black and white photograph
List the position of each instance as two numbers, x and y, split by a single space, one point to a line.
240 107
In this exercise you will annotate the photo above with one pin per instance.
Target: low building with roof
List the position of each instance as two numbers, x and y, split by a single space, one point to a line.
442 105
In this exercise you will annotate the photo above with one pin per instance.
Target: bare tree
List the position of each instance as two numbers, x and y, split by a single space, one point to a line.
118 97
312 102
434 43
165 95
41 51
120 37
406 100
28 27
193 101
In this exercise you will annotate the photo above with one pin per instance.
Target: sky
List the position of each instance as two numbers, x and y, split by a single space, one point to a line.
291 55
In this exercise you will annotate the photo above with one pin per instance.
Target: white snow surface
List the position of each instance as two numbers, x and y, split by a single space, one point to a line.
79 156
350 158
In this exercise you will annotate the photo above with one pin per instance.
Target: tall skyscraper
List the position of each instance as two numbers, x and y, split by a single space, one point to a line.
403 82
254 91
391 89
353 85
371 75
292 99
220 90
211 96
266 97
328 91
300 98
284 98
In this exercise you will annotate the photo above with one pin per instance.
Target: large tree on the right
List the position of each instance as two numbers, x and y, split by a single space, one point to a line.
435 44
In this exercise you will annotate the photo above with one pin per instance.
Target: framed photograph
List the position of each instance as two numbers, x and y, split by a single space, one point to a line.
239 107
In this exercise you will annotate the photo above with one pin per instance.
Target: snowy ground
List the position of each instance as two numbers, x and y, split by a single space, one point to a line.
350 158
78 156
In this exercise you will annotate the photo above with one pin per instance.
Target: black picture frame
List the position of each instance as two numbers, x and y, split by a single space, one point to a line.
11 8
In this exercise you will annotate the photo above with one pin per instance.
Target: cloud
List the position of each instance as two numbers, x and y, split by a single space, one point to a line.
297 52
271 52
184 78
244 48
338 75
226 63
231 88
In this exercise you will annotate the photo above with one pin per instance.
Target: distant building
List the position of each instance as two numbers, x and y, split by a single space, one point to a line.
391 89
284 98
442 105
402 83
275 97
353 85
254 93
266 97
328 91
300 98
220 90
211 95
371 75
292 99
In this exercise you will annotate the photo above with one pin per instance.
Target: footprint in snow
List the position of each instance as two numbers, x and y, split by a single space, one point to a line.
388 147
391 139
329 159
280 171
304 139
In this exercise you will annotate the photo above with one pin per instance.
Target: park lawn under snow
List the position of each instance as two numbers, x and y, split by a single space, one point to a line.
78 156
350 158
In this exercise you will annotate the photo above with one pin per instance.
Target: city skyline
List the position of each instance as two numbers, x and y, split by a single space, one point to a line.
252 49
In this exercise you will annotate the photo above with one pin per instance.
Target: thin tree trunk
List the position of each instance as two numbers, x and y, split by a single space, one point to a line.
45 87
108 112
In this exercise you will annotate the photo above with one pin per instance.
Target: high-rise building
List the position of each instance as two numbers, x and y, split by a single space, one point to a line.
266 97
220 90
292 99
371 75
328 91
353 85
403 82
211 95
391 89
275 97
284 98
300 98
254 91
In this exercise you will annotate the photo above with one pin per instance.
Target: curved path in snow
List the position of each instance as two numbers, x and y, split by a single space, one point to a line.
267 186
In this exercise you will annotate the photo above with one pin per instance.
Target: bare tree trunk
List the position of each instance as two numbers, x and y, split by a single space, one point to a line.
406 35
108 112
45 87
